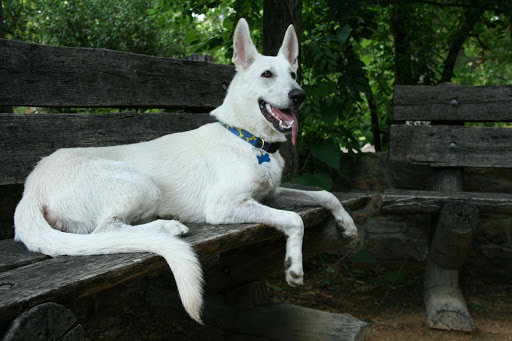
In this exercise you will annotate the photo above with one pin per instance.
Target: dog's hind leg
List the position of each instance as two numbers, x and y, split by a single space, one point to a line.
251 211
287 197
170 227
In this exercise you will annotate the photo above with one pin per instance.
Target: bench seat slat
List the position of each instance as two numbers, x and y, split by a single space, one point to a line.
434 103
57 279
14 255
26 138
55 76
60 278
408 201
451 146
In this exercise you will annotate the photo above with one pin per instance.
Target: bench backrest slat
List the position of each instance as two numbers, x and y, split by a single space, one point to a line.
452 146
28 138
40 75
453 103
447 142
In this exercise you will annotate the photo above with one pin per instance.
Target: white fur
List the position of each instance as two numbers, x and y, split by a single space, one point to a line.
204 175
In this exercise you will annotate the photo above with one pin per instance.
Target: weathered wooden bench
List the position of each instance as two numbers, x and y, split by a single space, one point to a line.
448 145
33 287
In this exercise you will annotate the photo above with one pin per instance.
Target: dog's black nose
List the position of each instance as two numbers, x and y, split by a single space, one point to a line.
297 96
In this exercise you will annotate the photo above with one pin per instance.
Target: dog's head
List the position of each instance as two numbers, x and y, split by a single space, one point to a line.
264 94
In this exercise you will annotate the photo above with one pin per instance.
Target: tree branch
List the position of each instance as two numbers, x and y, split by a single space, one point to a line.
471 16
501 8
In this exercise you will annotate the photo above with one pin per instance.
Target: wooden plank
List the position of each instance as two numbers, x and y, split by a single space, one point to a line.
402 201
40 75
14 255
27 138
207 239
451 146
57 279
453 103
287 322
47 321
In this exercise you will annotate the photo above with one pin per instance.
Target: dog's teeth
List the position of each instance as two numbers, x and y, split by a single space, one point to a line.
270 110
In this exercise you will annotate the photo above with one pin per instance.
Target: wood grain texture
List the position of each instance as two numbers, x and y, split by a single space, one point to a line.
14 255
453 103
451 146
47 321
28 138
60 278
40 75
447 179
405 201
446 306
288 322
453 234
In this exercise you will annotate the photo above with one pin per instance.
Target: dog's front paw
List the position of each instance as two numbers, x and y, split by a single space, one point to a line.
173 227
347 228
294 274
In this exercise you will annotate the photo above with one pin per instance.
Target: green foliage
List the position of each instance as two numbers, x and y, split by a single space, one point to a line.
114 24
335 113
353 52
487 55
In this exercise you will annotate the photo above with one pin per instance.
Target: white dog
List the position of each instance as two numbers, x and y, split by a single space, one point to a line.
84 201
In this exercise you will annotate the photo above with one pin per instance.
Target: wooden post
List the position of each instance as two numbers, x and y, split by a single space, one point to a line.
446 307
454 232
47 321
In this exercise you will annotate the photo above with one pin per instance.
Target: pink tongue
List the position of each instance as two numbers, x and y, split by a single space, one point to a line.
295 130
288 118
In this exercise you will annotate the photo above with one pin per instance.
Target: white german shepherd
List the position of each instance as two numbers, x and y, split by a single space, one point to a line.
85 201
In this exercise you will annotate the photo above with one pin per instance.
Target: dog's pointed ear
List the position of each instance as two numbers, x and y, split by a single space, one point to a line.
290 47
244 51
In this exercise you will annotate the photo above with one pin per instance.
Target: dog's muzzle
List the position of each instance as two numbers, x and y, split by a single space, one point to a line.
297 96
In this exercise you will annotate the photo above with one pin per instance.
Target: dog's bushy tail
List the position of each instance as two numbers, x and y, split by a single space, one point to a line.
34 231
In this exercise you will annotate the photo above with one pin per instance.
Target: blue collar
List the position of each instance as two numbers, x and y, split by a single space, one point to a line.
257 142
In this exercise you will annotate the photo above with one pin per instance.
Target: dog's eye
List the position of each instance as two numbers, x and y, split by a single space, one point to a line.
266 74
294 75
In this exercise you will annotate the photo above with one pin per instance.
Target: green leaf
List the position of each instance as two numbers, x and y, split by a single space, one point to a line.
394 277
319 178
329 269
327 153
343 34
190 37
273 287
363 256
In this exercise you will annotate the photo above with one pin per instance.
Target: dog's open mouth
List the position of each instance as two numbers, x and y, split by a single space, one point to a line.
282 120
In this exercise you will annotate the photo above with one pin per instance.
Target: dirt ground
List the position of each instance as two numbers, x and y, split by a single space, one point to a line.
392 301
387 296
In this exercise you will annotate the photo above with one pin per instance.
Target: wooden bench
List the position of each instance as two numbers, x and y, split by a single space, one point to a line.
448 145
34 287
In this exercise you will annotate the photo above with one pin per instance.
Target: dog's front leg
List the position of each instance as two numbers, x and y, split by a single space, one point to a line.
287 197
251 211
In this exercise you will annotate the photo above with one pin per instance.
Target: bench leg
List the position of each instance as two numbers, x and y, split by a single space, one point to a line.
446 307
47 321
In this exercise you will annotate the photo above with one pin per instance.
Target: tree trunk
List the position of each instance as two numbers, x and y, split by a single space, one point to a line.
375 120
3 108
2 33
277 16
471 16
403 67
